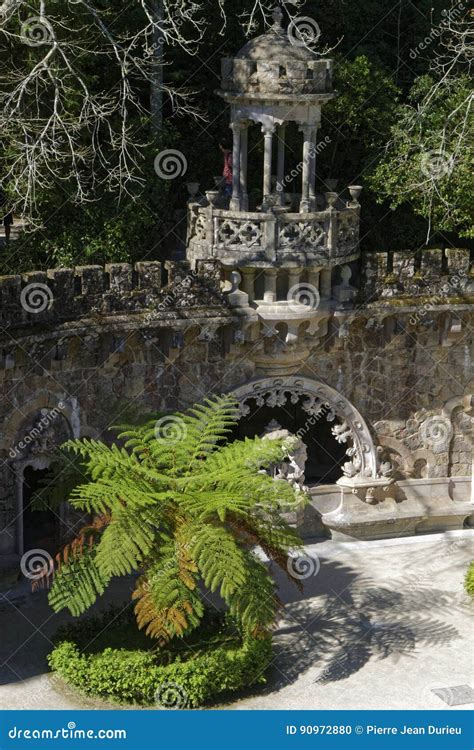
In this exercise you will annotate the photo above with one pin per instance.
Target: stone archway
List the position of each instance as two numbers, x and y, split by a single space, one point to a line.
38 436
319 401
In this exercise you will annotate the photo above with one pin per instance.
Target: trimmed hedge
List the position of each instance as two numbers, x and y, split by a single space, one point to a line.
134 676
469 580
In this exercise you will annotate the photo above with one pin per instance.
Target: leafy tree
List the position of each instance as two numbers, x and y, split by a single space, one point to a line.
184 507
428 160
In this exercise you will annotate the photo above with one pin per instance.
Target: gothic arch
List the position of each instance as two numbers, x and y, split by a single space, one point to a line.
33 433
15 423
318 397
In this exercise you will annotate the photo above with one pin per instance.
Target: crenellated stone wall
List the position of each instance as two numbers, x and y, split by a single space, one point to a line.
438 272
120 341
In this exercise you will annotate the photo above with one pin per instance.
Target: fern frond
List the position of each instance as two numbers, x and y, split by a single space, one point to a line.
255 604
77 584
168 601
125 543
222 564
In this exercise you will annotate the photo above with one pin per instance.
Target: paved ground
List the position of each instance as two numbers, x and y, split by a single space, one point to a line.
380 625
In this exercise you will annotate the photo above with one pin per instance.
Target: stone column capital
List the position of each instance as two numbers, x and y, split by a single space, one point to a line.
237 125
268 130
308 130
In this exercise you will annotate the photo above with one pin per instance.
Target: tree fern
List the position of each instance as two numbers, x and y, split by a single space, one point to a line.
185 515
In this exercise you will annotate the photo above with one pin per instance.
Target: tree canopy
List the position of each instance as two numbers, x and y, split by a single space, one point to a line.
90 91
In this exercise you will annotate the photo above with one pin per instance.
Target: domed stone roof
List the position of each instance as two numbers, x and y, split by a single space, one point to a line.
274 46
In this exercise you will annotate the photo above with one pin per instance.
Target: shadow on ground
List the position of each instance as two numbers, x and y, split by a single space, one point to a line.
342 620
28 624
337 624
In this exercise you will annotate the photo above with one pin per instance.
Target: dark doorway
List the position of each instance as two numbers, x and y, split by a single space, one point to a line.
325 454
40 527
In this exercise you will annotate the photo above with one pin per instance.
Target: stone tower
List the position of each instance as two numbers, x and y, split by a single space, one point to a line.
283 251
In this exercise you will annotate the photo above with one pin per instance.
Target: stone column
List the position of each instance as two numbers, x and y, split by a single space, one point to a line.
294 275
248 282
243 166
281 164
307 131
235 200
270 293
312 171
313 278
267 131
325 284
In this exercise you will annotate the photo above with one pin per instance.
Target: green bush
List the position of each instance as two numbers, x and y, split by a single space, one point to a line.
469 580
135 676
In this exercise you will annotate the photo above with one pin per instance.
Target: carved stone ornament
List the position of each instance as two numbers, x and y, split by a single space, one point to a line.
319 401
292 468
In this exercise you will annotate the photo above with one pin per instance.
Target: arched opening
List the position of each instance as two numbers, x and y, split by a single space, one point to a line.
337 438
325 455
40 527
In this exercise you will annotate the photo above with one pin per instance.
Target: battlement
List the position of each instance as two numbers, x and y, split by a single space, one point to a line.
445 272
59 295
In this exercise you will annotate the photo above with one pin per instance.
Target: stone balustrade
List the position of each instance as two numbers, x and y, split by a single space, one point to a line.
263 239
444 273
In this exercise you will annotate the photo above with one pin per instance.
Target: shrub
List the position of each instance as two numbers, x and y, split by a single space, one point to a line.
469 579
135 676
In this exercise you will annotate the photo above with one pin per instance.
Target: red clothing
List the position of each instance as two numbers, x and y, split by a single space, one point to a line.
228 167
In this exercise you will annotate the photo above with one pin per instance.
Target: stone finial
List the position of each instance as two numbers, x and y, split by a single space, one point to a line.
277 16
236 297
346 274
